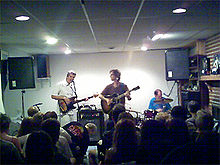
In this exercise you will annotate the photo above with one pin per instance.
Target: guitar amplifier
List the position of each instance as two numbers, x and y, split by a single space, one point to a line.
92 116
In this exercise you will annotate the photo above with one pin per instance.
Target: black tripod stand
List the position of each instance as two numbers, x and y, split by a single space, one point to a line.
22 102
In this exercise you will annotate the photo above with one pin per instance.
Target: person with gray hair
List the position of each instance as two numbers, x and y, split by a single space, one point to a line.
65 92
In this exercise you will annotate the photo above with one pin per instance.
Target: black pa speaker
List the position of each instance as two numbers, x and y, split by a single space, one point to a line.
92 116
21 73
43 70
177 64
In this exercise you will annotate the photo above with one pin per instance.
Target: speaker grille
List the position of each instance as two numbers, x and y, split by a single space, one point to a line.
92 116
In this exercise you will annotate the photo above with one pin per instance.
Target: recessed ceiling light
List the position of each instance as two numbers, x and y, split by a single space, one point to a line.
67 51
179 11
51 40
22 18
144 48
157 36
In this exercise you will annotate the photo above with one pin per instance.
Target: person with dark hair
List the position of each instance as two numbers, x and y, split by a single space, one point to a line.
26 126
193 107
52 127
106 142
53 115
9 153
39 149
80 138
112 90
4 128
178 112
158 106
124 145
155 143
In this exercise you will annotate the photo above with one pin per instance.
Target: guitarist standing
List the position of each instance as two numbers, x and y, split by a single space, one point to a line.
116 88
66 91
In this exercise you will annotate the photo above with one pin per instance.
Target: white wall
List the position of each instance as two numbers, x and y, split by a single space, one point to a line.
146 69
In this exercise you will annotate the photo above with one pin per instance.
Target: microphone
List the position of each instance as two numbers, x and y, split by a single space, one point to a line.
37 104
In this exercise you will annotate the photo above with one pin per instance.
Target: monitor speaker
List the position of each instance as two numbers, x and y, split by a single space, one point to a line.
43 69
21 73
177 64
92 116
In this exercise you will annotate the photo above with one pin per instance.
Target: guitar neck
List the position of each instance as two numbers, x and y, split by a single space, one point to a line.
77 101
123 94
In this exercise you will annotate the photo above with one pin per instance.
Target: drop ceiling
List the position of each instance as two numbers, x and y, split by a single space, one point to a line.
91 26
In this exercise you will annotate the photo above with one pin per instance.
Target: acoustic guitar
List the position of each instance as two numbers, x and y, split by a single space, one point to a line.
66 107
115 98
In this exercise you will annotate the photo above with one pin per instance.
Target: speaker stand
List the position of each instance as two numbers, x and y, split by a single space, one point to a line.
22 101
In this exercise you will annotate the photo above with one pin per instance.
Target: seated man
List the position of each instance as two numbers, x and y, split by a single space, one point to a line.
156 106
80 138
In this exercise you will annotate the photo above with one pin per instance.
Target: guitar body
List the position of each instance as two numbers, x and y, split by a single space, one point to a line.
64 107
114 100
105 107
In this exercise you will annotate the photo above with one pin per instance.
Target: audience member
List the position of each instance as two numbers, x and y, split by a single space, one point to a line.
4 126
106 141
207 141
52 127
154 143
80 139
9 153
163 117
193 107
53 115
26 127
39 149
124 143
178 112
32 111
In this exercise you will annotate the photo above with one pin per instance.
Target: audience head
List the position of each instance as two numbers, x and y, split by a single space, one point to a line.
50 114
32 111
116 110
152 129
91 128
39 148
163 117
178 131
26 126
37 120
126 115
52 127
4 123
193 106
204 121
178 112
124 134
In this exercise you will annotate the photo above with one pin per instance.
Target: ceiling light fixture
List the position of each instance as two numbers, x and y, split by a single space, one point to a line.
144 48
51 40
22 18
67 51
179 11
157 36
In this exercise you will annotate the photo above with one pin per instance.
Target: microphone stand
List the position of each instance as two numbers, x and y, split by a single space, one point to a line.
77 102
170 90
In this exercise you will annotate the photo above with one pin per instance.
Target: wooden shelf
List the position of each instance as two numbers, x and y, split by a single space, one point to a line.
210 78
189 90
192 79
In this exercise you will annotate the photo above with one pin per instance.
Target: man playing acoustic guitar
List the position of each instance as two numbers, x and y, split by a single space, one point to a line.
109 94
